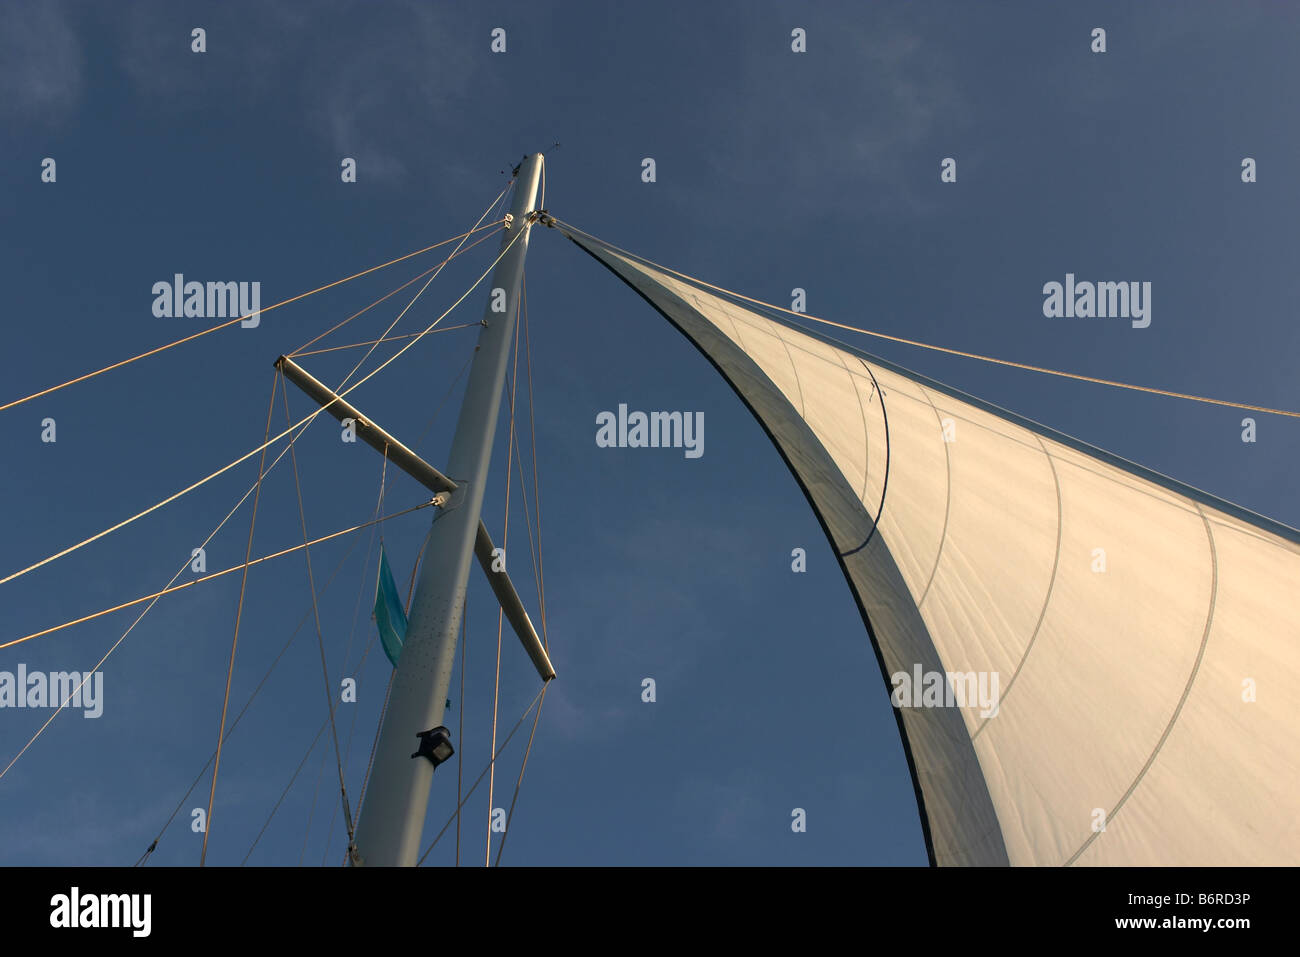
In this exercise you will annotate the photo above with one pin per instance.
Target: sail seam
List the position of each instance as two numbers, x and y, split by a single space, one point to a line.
1187 690
947 504
1047 598
803 409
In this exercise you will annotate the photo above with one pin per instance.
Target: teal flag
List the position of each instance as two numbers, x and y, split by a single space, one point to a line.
389 614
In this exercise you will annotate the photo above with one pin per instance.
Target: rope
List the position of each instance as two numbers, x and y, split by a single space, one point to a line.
234 641
311 812
320 637
247 704
329 842
207 578
433 269
225 325
370 764
537 489
505 540
480 777
428 425
250 454
943 349
537 716
541 597
284 793
460 731
365 779
528 518
140 618
523 484
371 342
394 323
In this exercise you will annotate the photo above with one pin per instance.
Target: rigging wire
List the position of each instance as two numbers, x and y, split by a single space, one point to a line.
458 251
505 542
481 775
310 417
460 730
537 716
371 342
442 402
184 565
541 598
943 349
311 812
234 641
220 525
315 608
226 325
320 637
248 703
285 792
410 592
401 314
537 489
352 633
207 578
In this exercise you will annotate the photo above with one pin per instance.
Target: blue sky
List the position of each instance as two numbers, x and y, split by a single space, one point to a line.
774 170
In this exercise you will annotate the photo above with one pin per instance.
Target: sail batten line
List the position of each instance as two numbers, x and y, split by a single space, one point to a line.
947 499
1047 595
1178 709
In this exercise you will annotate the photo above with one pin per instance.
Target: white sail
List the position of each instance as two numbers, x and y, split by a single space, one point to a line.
1144 635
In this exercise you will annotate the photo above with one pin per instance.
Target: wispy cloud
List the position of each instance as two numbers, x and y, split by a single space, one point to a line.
41 62
902 103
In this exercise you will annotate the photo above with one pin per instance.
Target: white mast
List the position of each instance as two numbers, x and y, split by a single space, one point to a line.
392 818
